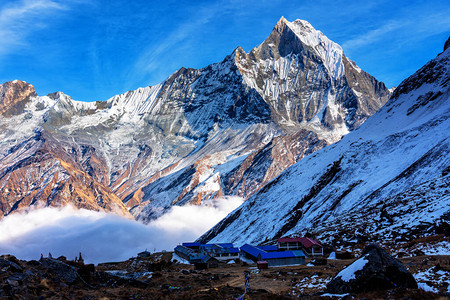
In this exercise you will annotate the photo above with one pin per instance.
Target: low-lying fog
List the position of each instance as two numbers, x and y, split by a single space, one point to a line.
103 237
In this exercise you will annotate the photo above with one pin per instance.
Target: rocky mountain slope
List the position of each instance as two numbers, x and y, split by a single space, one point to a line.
388 180
226 129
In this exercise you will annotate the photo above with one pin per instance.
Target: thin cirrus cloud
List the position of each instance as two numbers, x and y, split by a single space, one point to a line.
19 19
149 60
406 30
185 37
372 35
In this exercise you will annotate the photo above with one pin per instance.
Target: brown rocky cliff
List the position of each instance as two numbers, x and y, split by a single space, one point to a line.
268 162
41 174
14 95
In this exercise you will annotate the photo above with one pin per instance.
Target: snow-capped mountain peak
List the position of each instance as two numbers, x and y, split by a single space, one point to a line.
226 129
139 101
388 181
330 52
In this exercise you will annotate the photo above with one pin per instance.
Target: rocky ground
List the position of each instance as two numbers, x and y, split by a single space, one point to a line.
160 276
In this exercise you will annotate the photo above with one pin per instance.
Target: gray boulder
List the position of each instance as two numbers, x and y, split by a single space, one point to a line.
11 265
61 270
375 269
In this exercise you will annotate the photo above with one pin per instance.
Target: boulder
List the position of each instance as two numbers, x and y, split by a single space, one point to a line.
319 261
86 271
344 255
375 269
11 265
62 258
61 270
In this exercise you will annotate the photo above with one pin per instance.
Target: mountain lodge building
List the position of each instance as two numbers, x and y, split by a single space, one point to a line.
309 246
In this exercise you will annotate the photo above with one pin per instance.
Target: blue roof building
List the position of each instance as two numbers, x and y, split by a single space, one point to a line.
283 258
187 253
273 258
223 251
226 245
192 245
194 251
268 248
251 252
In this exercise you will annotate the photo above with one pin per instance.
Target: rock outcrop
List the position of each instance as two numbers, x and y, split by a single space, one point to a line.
374 270
63 271
14 95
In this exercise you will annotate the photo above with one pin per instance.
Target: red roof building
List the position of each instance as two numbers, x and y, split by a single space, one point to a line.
309 246
262 264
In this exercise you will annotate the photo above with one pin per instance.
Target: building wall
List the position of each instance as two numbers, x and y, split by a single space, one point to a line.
290 246
227 256
248 256
274 262
182 255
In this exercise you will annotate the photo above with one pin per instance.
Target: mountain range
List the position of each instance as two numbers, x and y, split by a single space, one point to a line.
228 129
386 181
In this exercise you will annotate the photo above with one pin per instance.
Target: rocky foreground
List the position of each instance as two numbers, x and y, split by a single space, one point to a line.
161 276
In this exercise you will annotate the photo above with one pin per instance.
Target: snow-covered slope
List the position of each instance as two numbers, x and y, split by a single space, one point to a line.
200 134
389 179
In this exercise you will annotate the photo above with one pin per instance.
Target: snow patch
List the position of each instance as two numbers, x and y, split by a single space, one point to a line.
334 295
330 52
332 255
424 286
349 273
441 248
179 259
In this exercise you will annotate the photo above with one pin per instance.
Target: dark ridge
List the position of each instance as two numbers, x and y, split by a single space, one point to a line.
344 194
296 213
438 150
37 157
424 100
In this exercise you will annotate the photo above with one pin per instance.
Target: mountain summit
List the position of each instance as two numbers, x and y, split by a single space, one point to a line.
226 129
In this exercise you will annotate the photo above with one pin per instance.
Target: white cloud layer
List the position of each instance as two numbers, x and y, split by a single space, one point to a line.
103 237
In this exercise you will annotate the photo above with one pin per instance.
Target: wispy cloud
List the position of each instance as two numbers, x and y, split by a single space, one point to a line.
403 30
19 19
150 57
373 35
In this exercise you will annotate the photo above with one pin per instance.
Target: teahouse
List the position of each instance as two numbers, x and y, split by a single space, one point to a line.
307 245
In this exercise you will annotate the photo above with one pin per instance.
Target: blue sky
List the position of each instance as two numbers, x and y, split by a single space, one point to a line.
92 50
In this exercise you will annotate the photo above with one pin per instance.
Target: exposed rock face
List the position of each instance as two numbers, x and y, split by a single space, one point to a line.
264 164
226 129
11 265
14 95
447 44
374 270
39 172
